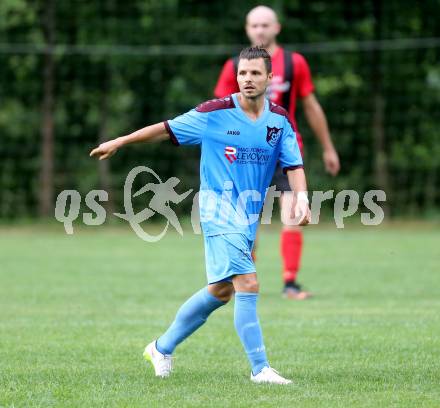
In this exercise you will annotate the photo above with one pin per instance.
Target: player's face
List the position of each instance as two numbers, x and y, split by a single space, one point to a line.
252 77
262 28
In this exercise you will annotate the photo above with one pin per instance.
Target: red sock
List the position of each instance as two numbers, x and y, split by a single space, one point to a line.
291 249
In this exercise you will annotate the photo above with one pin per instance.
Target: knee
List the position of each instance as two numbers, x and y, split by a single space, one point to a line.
253 286
222 292
287 227
247 283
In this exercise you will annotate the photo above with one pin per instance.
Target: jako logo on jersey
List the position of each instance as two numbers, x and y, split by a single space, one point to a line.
273 134
233 132
230 154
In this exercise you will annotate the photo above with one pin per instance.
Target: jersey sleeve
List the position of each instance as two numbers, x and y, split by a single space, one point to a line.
303 76
227 81
187 129
290 155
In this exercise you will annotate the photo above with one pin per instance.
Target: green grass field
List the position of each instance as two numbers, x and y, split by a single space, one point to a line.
77 311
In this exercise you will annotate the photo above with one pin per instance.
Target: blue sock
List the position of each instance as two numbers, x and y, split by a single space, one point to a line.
249 330
191 315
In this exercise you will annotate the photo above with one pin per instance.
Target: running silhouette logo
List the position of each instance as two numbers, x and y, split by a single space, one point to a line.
163 194
231 154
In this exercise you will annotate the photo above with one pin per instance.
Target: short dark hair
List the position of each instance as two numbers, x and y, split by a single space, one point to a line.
255 53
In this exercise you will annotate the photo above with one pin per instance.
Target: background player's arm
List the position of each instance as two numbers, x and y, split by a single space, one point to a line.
298 184
318 122
314 113
149 134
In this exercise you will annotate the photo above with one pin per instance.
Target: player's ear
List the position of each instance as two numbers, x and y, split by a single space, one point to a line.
270 76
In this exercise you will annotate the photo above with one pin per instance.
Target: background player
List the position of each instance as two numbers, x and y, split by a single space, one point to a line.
291 80
258 124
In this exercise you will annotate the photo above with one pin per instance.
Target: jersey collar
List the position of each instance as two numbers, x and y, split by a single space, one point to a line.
246 117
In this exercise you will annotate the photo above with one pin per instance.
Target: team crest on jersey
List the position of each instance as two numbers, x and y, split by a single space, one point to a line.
231 154
273 134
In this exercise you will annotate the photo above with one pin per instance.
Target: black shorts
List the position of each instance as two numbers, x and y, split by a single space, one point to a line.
280 180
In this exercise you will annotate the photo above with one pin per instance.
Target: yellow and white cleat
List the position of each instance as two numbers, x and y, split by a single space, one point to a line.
162 363
269 376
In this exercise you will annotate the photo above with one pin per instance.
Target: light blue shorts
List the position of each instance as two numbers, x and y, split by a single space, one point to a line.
227 255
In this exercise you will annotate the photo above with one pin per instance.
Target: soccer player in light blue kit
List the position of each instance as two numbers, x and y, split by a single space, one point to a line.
242 138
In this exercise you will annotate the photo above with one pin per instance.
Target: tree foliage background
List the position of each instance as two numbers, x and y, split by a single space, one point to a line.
73 73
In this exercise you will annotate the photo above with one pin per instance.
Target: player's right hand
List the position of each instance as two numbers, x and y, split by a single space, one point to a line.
105 150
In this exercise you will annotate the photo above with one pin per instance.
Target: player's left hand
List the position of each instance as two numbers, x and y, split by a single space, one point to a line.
302 213
331 161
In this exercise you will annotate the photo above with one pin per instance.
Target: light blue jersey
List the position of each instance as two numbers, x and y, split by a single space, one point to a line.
238 159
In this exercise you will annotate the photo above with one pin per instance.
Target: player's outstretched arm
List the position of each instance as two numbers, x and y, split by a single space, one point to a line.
148 134
298 184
